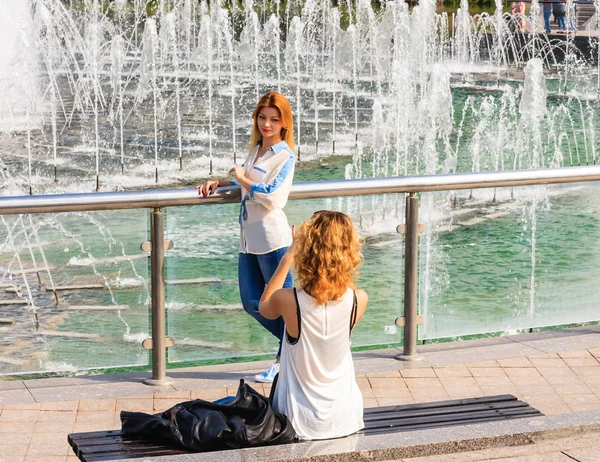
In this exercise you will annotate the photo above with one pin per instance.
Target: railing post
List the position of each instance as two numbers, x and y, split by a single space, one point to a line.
411 276
157 267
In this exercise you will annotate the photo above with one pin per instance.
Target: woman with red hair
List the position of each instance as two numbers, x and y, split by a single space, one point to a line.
316 387
265 178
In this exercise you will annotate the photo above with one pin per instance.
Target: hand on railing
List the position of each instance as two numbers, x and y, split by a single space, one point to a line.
208 187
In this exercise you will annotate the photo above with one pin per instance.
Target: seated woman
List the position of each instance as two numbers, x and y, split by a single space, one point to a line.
317 388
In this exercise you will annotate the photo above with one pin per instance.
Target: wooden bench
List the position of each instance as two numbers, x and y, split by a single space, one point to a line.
113 445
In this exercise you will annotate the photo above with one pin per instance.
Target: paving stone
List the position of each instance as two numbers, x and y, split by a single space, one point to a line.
488 372
370 402
7 384
384 374
91 426
430 396
161 405
57 416
59 406
460 393
416 373
135 405
423 384
97 404
181 395
16 426
459 382
12 450
522 372
582 362
369 393
28 406
19 415
209 394
16 397
515 362
488 363
571 388
548 363
550 372
95 416
388 382
47 458
584 454
452 371
65 427
575 354
396 401
7 439
390 392
594 352
581 402
363 383
544 356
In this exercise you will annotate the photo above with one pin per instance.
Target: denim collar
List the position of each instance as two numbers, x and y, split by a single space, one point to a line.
278 146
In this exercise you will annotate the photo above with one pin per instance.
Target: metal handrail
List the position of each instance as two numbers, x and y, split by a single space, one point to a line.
157 198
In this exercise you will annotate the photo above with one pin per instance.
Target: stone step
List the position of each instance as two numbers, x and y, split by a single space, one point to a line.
18 301
97 307
194 281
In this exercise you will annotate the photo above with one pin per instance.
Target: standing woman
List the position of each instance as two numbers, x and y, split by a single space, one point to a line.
265 178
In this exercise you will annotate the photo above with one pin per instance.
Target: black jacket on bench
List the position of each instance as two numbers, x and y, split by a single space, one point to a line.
247 420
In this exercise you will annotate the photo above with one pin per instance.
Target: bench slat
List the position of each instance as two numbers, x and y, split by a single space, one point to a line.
441 411
437 404
443 419
377 431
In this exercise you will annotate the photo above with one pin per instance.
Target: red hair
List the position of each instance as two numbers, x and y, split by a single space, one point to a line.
281 103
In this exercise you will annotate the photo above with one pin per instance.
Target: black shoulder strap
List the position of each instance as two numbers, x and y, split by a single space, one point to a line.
354 312
294 340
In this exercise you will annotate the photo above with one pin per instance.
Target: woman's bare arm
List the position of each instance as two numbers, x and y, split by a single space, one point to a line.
273 299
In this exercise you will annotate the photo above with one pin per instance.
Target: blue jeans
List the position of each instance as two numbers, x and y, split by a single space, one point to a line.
561 22
254 272
547 14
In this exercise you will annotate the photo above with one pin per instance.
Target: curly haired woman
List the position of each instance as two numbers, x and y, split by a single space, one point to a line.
317 386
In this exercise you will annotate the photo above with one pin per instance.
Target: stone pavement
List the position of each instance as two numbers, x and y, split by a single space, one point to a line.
557 372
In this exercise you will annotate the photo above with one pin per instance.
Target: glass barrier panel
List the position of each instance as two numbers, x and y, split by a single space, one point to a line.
205 314
527 260
74 291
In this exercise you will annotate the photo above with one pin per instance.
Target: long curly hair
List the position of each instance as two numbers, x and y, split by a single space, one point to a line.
327 255
281 103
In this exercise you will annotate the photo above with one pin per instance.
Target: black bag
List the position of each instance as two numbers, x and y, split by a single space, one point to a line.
246 420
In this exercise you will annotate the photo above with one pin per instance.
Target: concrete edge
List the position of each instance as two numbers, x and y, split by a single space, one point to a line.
449 447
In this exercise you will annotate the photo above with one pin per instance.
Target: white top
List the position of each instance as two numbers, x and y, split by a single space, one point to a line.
317 387
263 225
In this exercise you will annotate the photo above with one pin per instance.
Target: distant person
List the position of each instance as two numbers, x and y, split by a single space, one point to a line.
559 11
517 11
316 387
266 179
547 14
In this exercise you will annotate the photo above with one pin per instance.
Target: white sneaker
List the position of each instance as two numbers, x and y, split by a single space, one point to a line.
269 375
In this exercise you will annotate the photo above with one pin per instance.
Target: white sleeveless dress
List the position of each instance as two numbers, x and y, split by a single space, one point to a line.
317 388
